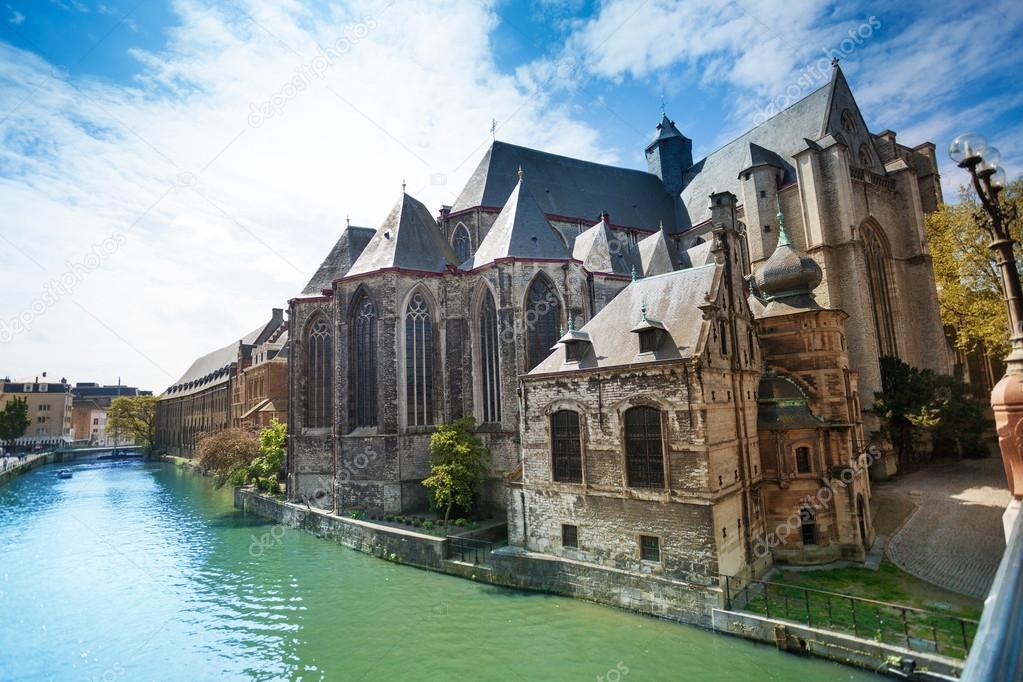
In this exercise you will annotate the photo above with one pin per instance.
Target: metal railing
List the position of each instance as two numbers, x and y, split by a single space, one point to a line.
996 654
915 629
469 550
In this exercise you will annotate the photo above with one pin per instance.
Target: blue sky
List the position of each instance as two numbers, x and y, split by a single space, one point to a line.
157 171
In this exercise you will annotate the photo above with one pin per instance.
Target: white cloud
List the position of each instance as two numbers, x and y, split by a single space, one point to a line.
223 220
16 18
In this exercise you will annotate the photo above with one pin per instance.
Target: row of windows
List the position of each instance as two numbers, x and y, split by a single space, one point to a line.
649 545
644 449
542 318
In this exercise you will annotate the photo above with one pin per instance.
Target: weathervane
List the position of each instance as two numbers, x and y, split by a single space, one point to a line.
493 129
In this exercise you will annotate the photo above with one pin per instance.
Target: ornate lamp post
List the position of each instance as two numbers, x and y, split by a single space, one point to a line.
973 154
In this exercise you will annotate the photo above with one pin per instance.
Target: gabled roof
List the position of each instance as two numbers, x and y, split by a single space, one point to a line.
337 263
784 134
655 254
520 231
407 239
599 251
214 368
569 187
673 299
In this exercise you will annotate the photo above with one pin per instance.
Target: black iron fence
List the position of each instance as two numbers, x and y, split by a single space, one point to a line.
907 626
469 550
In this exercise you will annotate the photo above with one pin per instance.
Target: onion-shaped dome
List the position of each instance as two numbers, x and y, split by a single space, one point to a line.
788 272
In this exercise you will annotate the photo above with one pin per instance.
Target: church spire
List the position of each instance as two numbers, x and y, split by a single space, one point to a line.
783 236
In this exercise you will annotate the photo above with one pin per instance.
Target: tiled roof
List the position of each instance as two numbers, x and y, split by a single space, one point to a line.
599 251
337 263
569 187
672 298
776 140
520 231
409 238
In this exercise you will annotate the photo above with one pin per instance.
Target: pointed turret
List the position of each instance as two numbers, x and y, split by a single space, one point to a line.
520 231
408 239
669 155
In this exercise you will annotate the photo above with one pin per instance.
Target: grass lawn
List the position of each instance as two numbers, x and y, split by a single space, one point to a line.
884 623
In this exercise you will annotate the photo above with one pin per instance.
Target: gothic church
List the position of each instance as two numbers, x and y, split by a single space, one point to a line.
666 365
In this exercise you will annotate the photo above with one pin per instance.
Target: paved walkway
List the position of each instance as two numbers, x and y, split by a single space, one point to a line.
954 539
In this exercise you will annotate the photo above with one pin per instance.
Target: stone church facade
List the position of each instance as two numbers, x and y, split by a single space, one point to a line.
665 365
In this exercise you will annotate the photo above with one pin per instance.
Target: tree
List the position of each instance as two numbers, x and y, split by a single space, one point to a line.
969 286
14 420
265 470
458 464
134 417
227 454
914 404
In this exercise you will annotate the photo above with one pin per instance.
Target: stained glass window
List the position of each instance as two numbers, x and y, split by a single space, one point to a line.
490 358
542 320
364 363
461 242
418 362
319 375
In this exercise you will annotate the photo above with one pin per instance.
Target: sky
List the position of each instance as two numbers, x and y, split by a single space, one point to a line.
172 170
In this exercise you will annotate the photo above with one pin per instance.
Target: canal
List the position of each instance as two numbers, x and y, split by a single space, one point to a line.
135 571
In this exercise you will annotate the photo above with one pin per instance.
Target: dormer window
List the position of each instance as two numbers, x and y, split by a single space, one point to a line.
577 343
573 351
648 339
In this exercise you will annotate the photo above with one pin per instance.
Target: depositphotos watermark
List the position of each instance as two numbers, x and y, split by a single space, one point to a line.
306 74
819 70
811 504
74 274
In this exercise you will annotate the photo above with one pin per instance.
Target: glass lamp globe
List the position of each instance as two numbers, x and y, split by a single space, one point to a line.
990 159
998 179
967 146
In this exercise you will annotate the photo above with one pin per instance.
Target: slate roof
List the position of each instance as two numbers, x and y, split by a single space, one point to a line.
655 254
214 368
408 238
698 255
666 130
569 187
337 263
782 405
777 139
599 251
520 231
672 298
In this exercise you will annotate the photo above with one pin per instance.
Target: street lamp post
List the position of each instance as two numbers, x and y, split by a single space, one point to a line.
973 154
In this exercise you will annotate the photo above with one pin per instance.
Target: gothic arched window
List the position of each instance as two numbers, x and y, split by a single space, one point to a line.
876 257
848 124
865 159
363 364
418 362
566 453
461 242
319 378
643 448
542 321
490 360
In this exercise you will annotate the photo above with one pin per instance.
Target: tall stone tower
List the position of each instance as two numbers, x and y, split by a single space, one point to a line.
816 491
670 155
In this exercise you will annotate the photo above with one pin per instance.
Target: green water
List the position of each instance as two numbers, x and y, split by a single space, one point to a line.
134 571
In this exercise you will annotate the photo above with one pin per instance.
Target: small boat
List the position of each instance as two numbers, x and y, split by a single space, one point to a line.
64 473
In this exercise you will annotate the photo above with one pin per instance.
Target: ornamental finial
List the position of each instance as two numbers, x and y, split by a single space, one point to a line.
571 323
520 172
403 185
633 273
783 236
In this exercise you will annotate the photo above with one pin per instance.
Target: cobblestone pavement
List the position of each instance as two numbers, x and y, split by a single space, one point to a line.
954 539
